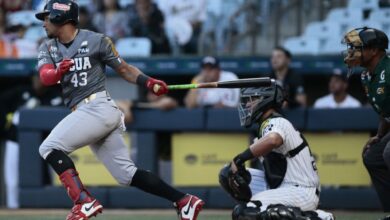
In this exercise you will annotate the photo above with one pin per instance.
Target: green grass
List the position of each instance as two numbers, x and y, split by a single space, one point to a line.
157 215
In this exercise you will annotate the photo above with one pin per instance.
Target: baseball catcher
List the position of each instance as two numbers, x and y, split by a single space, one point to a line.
288 186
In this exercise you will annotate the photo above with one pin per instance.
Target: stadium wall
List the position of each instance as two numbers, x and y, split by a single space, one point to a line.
149 124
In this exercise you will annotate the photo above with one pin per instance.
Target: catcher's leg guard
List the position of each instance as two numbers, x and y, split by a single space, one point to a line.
242 212
282 212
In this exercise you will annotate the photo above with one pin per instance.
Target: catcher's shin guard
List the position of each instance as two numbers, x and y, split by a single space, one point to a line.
73 185
282 212
242 212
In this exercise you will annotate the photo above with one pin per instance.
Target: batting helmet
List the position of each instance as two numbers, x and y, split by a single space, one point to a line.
255 101
60 12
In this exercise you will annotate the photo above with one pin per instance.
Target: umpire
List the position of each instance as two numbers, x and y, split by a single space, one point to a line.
367 48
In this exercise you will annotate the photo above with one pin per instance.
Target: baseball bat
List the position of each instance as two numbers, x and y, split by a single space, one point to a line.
239 83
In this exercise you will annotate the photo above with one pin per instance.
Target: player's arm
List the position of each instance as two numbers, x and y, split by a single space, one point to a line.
129 72
259 148
383 128
49 74
133 75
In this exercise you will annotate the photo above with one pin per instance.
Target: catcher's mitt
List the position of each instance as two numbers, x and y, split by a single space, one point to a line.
236 184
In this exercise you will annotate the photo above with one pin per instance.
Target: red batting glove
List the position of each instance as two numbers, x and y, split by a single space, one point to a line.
156 86
64 66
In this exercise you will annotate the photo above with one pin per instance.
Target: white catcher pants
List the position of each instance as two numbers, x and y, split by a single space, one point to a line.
289 195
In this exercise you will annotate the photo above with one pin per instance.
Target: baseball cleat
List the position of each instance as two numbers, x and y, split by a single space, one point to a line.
88 208
188 207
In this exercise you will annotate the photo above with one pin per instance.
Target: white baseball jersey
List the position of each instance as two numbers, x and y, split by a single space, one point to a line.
300 187
301 169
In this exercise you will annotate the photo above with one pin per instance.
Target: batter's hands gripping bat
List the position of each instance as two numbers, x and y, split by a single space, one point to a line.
239 83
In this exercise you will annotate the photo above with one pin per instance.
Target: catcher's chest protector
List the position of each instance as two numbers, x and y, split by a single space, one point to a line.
275 165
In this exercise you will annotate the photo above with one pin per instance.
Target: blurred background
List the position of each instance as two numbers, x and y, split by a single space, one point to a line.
186 137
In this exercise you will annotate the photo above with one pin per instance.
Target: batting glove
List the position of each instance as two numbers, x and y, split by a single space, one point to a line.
156 86
64 66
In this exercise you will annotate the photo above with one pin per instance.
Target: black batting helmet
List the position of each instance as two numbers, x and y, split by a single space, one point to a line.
255 101
60 12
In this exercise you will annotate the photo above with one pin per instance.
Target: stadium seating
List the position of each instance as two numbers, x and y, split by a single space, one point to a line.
332 46
344 15
303 45
24 18
134 47
382 17
363 4
322 29
125 3
84 3
34 33
346 18
325 36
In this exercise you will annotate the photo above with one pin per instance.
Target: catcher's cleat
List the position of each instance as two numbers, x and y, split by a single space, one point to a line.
86 209
188 207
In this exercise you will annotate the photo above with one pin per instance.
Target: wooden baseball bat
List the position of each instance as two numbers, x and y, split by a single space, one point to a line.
239 83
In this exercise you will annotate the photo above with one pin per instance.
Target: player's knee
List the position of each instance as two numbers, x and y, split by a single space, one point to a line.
125 177
368 160
243 212
45 150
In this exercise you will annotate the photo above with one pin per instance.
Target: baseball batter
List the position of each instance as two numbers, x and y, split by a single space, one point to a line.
77 59
290 176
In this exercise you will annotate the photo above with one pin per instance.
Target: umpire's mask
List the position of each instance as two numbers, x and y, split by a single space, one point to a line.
255 101
358 39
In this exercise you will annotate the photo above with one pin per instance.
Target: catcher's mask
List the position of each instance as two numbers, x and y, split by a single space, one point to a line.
357 40
255 101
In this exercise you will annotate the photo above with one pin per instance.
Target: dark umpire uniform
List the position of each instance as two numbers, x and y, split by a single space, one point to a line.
367 48
376 157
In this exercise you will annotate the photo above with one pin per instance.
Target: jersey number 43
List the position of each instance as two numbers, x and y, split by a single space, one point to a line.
79 79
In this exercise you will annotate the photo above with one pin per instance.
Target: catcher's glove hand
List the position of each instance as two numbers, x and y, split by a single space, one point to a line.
236 182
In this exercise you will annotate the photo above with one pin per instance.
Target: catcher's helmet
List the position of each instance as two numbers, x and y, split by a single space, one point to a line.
255 101
60 12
